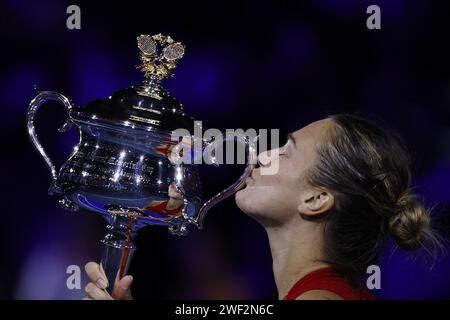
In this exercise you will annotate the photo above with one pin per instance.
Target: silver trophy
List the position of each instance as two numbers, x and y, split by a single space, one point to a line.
126 164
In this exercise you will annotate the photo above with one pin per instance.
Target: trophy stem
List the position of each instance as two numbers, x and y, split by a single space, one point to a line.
118 246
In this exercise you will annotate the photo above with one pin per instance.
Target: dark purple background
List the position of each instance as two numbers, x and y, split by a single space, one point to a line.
248 65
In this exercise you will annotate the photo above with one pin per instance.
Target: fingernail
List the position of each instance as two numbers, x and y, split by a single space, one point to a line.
102 283
127 286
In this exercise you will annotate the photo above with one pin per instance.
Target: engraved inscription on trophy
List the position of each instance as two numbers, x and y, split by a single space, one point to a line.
147 109
145 120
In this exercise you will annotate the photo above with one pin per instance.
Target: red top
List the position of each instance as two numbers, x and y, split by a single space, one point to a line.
329 280
162 208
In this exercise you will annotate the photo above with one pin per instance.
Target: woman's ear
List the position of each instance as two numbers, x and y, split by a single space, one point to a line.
315 202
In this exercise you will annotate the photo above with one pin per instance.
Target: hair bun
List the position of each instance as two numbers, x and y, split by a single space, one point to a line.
410 226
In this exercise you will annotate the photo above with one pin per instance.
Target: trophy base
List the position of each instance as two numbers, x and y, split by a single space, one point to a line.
118 243
118 246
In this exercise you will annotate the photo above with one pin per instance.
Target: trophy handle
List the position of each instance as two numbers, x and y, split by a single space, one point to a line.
251 153
41 98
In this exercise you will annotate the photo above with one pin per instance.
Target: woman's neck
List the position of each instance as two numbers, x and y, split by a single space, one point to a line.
296 251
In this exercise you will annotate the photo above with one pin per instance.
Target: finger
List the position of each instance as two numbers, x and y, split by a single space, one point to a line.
95 293
96 275
122 290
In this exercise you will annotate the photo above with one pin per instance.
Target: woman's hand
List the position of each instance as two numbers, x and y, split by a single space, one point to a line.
96 289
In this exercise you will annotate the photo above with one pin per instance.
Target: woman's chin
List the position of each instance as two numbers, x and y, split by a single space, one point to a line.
240 198
245 200
245 190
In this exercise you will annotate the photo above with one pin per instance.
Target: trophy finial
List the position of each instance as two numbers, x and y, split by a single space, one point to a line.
159 55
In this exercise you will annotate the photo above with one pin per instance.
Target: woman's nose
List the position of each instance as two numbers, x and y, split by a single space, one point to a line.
264 158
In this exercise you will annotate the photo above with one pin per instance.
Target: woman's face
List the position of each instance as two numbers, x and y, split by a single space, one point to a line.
277 190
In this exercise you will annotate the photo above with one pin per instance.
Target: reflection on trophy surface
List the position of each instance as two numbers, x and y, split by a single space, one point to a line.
172 207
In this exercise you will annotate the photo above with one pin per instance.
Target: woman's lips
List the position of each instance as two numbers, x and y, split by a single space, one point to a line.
249 180
252 174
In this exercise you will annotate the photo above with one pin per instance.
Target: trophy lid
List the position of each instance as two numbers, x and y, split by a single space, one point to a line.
148 105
